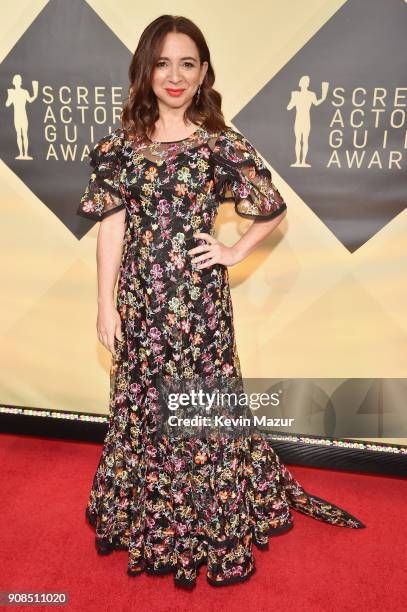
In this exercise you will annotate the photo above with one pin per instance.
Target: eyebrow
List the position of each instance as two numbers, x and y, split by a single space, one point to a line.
182 58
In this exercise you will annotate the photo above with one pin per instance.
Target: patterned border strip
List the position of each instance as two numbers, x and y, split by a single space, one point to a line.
338 443
345 443
53 414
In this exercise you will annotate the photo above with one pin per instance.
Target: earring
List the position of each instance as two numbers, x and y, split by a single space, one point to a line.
198 93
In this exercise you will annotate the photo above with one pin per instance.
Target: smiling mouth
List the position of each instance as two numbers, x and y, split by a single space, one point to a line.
174 90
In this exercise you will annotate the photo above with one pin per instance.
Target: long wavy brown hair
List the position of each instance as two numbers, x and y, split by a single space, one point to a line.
140 112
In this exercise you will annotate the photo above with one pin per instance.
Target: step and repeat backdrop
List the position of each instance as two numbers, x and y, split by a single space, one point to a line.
320 307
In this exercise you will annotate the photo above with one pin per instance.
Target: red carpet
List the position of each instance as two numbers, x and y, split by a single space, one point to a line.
46 545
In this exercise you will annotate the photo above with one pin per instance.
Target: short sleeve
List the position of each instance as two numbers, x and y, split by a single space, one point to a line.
240 175
103 195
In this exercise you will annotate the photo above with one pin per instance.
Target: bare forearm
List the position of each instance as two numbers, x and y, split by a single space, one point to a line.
254 235
108 256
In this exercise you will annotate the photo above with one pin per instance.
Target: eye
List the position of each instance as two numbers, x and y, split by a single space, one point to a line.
162 63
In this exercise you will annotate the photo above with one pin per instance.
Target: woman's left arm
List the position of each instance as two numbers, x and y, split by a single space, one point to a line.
257 232
240 176
217 252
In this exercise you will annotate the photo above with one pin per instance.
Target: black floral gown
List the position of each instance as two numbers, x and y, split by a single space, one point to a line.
175 503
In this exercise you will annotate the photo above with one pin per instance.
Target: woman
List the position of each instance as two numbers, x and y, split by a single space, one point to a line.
175 501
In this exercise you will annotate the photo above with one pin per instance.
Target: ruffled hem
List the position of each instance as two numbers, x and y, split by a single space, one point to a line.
220 520
106 548
347 520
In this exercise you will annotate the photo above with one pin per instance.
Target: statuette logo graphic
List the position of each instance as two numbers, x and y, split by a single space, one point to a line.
302 101
18 98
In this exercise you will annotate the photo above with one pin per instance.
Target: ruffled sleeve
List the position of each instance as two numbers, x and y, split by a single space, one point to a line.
240 175
104 195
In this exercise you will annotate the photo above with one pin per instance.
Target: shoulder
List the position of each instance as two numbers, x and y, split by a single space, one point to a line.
108 148
112 140
229 135
236 146
232 139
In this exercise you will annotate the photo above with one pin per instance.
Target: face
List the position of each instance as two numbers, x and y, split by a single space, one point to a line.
178 71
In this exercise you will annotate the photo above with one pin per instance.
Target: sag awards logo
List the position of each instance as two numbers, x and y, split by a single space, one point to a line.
61 134
302 101
387 108
60 94
333 122
18 98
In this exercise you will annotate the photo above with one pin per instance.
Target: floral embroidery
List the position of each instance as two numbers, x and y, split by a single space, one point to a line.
175 502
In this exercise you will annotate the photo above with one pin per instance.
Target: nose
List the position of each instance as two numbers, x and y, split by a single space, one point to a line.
174 75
